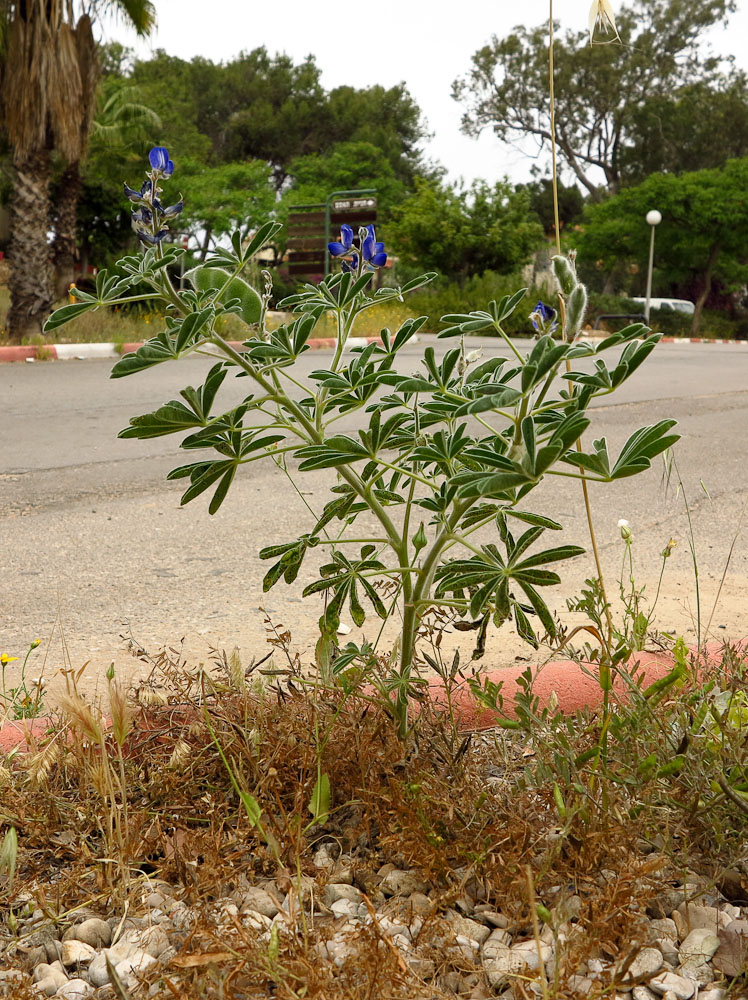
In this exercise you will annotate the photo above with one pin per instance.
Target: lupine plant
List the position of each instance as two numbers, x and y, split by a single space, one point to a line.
454 449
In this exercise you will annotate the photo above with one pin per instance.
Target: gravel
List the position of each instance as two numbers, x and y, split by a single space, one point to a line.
466 946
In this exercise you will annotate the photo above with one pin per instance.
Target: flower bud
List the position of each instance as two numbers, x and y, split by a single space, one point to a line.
419 539
625 529
667 551
565 274
35 643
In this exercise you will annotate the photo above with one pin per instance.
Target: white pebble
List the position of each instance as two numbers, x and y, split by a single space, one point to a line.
75 989
77 952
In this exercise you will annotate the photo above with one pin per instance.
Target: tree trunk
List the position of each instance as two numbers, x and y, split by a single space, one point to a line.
713 254
206 244
65 213
30 281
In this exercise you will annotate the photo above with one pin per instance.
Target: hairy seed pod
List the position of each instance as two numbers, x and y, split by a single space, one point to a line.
576 307
565 274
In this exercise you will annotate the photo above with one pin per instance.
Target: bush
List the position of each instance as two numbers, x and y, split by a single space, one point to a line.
446 297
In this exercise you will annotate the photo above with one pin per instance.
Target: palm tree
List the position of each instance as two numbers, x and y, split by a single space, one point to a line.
49 70
121 121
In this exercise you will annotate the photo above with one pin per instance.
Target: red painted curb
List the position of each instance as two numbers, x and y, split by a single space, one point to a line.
316 343
574 686
17 353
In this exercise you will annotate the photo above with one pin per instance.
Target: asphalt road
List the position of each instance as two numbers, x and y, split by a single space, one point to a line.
94 543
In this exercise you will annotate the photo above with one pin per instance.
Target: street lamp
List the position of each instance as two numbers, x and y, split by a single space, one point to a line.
653 219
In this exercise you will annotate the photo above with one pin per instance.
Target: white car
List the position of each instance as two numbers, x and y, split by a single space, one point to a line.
669 305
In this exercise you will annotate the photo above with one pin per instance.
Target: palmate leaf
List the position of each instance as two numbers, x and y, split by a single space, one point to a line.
182 337
286 343
202 476
489 575
465 323
174 416
291 557
155 351
341 578
636 455
235 446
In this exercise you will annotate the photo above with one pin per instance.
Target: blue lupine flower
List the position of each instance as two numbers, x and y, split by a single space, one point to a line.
136 196
159 159
543 318
143 216
352 266
172 210
373 252
151 238
343 248
168 169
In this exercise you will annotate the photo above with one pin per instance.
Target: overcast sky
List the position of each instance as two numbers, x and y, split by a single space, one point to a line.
425 44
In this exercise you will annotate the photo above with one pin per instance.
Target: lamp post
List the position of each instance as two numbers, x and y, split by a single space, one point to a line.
653 219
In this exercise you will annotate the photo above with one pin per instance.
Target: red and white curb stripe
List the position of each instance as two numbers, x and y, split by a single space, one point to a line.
83 352
703 340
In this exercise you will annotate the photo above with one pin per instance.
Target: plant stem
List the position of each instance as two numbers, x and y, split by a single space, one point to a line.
557 226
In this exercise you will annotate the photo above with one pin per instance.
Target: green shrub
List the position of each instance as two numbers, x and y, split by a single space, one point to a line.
447 297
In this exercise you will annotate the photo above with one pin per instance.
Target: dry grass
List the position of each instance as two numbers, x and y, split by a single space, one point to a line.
132 326
474 815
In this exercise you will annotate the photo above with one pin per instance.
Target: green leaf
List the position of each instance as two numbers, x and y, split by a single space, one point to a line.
508 304
223 487
319 804
337 450
419 282
170 418
67 313
549 555
528 518
153 352
251 808
263 236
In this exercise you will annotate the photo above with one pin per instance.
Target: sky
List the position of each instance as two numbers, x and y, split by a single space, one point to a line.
427 45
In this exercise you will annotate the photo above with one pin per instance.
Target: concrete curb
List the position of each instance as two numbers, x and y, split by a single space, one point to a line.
83 352
574 686
703 340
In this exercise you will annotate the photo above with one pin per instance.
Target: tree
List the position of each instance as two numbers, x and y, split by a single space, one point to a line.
48 72
697 127
346 166
570 203
701 237
465 231
121 132
600 89
227 197
263 107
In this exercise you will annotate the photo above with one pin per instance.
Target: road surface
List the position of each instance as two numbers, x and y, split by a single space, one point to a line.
95 545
